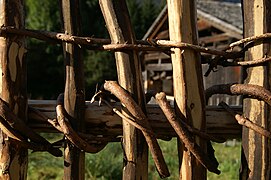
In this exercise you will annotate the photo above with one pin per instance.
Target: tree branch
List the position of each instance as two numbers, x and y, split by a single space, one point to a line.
184 135
245 121
138 114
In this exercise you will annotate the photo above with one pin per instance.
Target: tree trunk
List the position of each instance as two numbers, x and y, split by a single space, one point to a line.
256 155
74 96
187 79
13 159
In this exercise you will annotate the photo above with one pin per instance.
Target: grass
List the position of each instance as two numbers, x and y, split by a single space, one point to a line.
107 164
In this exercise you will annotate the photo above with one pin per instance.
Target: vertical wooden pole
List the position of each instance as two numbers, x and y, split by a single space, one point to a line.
130 78
187 79
74 96
256 158
13 159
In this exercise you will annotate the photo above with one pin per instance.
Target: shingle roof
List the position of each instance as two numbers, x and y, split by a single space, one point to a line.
224 14
229 11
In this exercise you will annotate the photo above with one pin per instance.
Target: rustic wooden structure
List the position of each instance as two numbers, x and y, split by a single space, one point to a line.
217 28
140 124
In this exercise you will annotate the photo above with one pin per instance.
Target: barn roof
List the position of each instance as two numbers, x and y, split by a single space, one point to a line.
225 15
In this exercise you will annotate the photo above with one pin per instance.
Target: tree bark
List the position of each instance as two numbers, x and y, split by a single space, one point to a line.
256 148
187 79
129 77
74 96
13 159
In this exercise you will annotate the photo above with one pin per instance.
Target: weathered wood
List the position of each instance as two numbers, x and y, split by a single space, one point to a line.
13 159
138 114
256 159
187 79
183 134
117 20
159 67
103 44
100 120
214 38
74 95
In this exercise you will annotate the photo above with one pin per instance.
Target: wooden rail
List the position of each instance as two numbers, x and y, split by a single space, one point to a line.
100 120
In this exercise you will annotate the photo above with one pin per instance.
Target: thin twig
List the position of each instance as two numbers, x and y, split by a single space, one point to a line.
138 114
245 121
249 39
253 91
130 120
201 134
255 62
70 134
184 135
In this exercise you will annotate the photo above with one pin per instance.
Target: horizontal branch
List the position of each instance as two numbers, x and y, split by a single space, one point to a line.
104 44
250 39
253 91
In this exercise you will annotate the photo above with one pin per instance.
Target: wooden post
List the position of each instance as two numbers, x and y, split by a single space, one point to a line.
13 159
256 157
74 96
187 79
129 77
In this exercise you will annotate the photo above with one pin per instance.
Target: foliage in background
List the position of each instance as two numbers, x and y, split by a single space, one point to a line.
45 61
107 164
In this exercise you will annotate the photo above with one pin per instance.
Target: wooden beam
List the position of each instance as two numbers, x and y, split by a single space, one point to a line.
214 38
187 80
203 25
101 121
155 56
159 67
13 158
74 96
118 23
256 158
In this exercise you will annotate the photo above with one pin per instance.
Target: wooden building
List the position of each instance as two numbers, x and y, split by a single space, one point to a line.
219 23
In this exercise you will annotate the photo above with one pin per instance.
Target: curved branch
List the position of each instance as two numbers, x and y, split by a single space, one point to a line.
70 134
253 91
138 114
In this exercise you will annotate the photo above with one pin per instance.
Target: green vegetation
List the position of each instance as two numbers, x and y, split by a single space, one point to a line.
45 61
107 164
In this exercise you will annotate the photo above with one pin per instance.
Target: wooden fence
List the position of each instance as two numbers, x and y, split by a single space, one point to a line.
88 127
